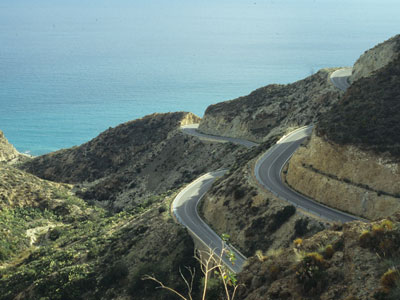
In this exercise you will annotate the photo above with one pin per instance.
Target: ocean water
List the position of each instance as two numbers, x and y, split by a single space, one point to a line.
71 69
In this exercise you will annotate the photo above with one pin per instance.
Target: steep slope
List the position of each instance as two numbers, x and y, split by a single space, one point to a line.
351 162
111 151
273 109
124 166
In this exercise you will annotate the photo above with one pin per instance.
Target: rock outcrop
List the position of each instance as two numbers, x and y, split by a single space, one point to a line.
272 110
346 178
376 58
7 151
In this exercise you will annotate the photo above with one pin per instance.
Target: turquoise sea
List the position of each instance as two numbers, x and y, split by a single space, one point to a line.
71 69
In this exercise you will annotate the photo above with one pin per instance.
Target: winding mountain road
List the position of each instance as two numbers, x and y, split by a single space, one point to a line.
192 130
185 210
267 170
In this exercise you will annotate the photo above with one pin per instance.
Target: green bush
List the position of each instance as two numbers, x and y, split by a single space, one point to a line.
55 233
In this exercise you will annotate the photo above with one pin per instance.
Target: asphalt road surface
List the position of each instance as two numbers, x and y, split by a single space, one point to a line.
340 78
268 172
185 210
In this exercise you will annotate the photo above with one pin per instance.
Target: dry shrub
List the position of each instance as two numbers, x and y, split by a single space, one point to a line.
365 238
389 280
261 256
328 252
298 242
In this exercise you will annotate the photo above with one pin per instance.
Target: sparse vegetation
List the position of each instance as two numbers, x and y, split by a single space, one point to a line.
54 245
63 248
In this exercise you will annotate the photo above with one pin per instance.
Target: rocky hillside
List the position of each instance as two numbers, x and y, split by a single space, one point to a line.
376 58
272 110
125 166
7 151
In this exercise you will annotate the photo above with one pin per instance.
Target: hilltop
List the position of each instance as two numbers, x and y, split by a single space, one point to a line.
8 153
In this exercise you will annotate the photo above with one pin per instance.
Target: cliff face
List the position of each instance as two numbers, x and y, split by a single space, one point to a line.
347 178
7 151
273 109
376 58
124 166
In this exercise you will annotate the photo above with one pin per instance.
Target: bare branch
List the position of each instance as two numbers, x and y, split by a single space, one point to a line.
189 285
147 277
